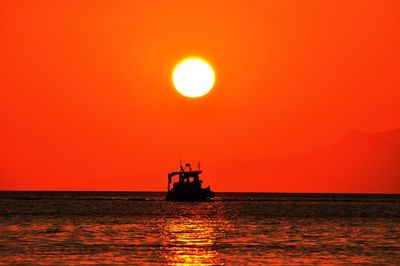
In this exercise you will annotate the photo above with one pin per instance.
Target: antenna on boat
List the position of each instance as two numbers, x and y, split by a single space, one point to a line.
198 165
180 164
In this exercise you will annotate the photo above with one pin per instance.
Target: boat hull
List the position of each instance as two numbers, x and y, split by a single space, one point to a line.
200 195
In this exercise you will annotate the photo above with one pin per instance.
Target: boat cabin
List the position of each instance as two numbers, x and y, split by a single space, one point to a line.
188 185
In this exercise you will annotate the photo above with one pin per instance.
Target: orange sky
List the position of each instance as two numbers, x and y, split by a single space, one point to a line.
87 102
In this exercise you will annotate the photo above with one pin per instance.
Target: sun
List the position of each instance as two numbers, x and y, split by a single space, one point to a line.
193 77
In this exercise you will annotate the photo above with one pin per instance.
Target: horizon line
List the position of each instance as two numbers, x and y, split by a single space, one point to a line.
254 192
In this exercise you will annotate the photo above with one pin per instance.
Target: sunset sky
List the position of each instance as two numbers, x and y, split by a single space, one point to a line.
87 100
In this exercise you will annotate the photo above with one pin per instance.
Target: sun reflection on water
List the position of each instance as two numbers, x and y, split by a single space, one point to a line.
191 241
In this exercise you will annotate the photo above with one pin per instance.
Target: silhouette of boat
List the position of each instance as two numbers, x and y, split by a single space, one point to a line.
188 187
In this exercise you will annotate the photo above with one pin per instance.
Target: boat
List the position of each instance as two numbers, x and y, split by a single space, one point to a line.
189 185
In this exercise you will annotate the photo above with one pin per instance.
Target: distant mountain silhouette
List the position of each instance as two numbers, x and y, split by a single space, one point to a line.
360 162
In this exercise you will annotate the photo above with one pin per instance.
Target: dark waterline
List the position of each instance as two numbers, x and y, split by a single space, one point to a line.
235 228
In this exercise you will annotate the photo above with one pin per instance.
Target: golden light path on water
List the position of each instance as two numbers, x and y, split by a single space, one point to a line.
191 238
190 242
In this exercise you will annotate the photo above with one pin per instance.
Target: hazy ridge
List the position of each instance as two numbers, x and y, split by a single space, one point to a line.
344 166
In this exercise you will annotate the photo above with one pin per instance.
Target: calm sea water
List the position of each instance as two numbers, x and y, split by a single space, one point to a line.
236 228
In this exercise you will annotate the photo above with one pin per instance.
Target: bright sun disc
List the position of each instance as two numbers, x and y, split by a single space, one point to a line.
193 77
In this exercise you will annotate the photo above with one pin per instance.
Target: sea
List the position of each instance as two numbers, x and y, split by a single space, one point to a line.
141 228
